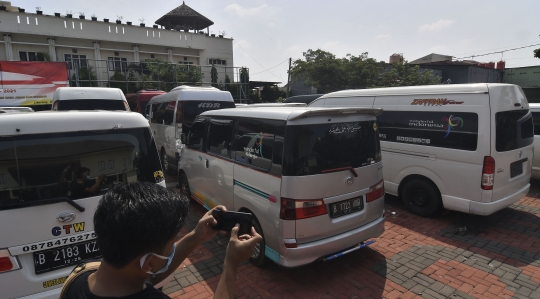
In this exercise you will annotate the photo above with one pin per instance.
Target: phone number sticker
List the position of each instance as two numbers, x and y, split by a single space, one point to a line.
51 243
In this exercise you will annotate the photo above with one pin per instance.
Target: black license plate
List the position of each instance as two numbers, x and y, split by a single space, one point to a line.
60 257
345 207
516 168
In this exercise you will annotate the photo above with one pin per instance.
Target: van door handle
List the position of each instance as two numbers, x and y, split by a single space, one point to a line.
206 163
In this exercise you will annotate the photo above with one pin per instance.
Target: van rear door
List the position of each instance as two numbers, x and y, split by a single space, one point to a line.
511 139
46 210
329 165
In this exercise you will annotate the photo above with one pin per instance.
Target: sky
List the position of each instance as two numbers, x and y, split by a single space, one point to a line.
267 33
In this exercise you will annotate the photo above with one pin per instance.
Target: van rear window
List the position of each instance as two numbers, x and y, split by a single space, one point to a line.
322 148
37 168
91 104
514 129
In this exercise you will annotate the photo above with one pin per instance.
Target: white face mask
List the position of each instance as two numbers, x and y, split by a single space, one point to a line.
162 270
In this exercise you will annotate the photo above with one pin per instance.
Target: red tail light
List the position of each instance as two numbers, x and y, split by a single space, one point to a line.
488 173
292 209
376 191
7 262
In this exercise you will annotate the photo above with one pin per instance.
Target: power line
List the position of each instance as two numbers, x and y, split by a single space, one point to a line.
271 67
253 58
498 52
485 50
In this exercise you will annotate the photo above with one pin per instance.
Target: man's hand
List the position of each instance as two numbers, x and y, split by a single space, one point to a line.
204 231
240 248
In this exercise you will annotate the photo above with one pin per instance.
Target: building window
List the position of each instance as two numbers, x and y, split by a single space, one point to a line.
110 163
75 61
101 165
186 62
31 56
217 61
2 178
117 64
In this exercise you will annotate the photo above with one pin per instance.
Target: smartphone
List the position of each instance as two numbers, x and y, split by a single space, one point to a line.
227 220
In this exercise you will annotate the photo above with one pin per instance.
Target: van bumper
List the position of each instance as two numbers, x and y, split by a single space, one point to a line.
310 252
50 294
484 209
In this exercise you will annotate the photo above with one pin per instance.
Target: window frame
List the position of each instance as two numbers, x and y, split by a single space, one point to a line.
270 122
233 124
117 63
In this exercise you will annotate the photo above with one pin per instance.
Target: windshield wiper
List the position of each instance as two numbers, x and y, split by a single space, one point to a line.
341 169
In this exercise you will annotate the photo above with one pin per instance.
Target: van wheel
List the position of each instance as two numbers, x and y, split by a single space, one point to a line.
258 257
164 161
421 197
184 188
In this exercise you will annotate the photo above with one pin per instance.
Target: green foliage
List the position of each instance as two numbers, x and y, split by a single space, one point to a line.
536 53
244 75
87 77
43 56
121 81
270 94
324 71
213 76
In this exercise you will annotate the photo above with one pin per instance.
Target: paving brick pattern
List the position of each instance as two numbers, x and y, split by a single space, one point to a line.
452 255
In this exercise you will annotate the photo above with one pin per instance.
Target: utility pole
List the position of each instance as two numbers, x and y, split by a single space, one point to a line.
289 78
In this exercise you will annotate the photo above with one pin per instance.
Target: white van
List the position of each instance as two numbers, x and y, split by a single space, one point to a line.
535 109
173 113
311 177
464 147
89 98
46 224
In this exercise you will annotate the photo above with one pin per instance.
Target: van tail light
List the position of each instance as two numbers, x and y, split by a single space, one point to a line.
294 209
376 191
488 172
7 262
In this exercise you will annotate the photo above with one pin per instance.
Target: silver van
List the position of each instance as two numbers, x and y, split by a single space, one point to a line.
311 177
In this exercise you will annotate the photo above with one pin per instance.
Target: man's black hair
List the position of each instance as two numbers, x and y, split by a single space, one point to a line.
80 171
136 218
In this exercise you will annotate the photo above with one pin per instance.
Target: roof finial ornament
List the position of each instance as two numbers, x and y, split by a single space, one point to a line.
183 2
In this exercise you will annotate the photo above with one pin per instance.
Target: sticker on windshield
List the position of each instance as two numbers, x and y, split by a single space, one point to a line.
208 105
344 128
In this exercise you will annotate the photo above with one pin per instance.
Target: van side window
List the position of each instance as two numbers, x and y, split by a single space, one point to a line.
179 113
154 110
455 130
195 137
220 137
164 114
254 143
536 121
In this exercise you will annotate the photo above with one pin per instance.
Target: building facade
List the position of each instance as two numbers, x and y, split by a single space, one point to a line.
528 78
109 46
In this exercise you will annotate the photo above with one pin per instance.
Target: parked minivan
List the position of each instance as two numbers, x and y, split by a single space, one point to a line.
138 101
312 178
46 161
173 113
89 98
464 147
535 109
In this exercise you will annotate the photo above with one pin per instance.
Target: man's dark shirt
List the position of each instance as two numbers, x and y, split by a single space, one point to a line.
79 290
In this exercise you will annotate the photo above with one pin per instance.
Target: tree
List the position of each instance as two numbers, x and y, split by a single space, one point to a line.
536 53
118 80
324 71
85 77
270 94
214 76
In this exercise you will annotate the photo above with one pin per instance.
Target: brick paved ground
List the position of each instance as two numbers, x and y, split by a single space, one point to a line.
496 256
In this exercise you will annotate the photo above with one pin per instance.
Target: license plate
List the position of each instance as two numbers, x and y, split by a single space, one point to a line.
60 257
516 168
345 207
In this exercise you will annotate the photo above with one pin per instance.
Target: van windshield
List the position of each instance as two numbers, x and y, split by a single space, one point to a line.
91 104
323 148
36 168
191 109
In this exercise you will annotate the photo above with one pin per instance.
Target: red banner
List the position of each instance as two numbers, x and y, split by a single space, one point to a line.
28 83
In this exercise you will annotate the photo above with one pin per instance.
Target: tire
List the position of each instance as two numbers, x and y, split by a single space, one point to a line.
421 197
185 193
258 257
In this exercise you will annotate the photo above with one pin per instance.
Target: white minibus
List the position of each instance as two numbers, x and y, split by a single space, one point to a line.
89 98
54 167
464 147
172 114
312 178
